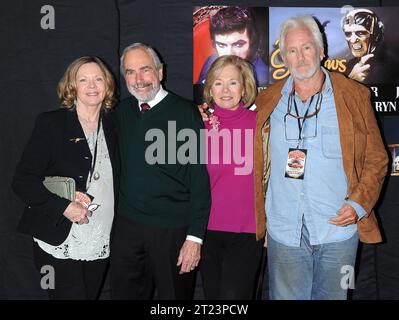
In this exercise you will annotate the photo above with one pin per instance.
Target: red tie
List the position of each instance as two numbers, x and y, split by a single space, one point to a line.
144 107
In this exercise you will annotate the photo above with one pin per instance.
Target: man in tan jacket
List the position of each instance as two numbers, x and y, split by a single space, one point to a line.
319 164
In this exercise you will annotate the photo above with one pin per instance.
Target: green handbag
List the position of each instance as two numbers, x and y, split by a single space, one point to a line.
62 186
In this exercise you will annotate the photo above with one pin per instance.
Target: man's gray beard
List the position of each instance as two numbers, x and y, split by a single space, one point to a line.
150 96
308 75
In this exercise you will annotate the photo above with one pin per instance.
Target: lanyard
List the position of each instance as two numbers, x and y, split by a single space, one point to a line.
305 116
301 125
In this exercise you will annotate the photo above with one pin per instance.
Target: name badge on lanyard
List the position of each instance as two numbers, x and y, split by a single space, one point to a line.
296 159
295 166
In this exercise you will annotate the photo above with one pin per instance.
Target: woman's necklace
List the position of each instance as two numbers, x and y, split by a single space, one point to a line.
96 174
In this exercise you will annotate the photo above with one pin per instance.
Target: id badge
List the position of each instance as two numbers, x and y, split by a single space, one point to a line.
295 166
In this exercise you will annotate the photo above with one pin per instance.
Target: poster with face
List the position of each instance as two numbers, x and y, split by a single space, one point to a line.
360 42
230 30
363 31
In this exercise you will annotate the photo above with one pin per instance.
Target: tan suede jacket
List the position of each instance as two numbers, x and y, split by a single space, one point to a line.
364 156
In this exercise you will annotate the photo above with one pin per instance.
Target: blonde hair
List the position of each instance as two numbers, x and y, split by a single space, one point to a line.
66 89
247 78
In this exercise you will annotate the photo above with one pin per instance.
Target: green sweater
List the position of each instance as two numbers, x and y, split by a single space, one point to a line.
166 193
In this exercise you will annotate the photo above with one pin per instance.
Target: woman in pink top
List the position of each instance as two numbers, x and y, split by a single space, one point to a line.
231 255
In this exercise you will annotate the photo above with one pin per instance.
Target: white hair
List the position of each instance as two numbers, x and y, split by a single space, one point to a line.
307 22
138 45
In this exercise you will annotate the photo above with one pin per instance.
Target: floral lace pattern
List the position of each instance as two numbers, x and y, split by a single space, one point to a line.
84 242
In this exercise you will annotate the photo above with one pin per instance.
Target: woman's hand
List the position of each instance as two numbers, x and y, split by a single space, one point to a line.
76 212
202 109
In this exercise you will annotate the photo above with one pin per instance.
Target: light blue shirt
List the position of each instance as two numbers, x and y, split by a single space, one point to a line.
317 198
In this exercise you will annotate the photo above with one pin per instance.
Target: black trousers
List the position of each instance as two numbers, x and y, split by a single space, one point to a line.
144 257
73 279
230 265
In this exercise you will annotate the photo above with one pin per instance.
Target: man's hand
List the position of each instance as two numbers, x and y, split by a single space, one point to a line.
189 256
76 212
361 69
345 216
202 109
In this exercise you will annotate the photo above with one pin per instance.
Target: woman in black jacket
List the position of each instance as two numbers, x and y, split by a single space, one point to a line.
78 141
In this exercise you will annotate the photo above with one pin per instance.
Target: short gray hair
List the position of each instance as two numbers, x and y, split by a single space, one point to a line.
307 22
138 45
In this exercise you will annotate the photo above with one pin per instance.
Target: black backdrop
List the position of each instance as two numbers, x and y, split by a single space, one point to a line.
32 61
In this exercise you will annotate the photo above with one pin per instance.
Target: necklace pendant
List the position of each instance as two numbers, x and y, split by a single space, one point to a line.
96 175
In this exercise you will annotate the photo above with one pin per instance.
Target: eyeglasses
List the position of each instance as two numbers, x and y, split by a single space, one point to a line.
295 122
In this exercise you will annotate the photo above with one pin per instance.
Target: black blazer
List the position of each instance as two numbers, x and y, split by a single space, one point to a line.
54 150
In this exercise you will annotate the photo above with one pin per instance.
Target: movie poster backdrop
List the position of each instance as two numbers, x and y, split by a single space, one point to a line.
360 42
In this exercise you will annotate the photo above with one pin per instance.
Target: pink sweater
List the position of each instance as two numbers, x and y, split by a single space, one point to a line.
231 176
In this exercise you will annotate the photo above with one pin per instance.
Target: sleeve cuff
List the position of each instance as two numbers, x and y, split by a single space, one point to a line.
358 208
195 239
